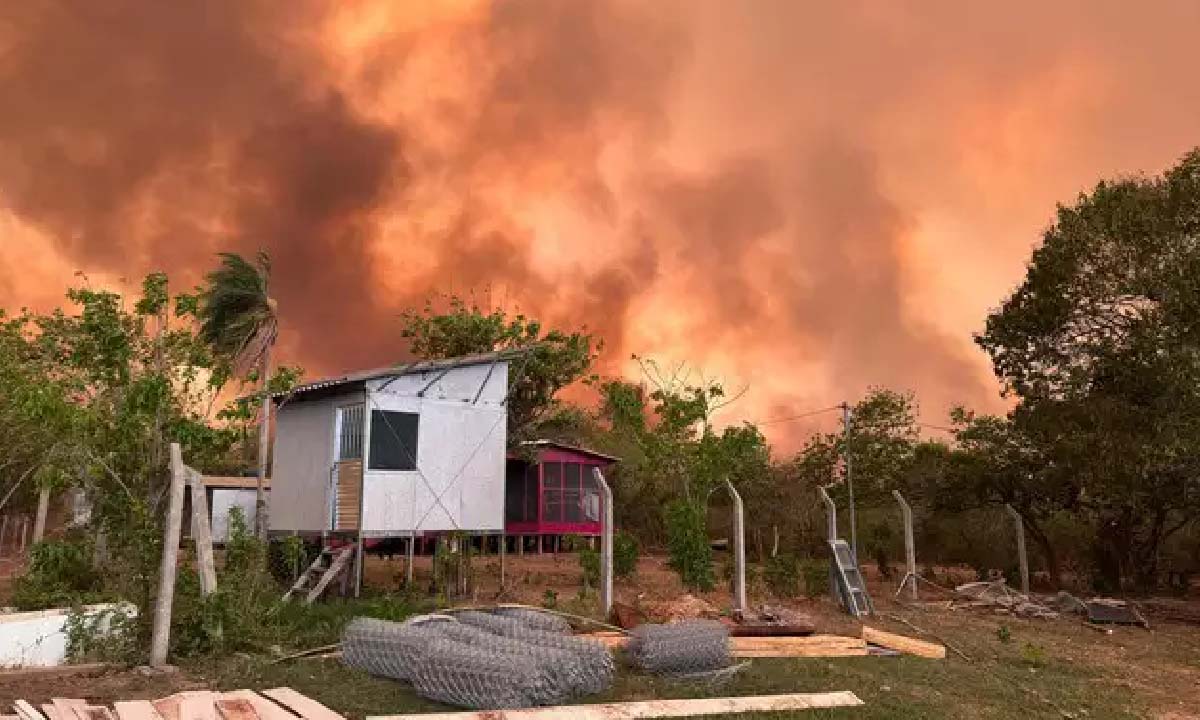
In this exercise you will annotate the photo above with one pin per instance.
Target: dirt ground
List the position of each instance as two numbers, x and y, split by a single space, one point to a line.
1018 668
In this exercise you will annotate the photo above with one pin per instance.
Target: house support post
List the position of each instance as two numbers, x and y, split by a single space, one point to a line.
359 561
1022 558
43 508
412 546
739 551
3 529
503 554
161 635
24 532
606 543
910 549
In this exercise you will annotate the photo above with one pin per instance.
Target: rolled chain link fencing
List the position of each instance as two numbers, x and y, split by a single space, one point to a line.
683 648
480 660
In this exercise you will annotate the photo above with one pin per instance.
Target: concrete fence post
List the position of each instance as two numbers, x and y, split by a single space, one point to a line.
910 548
606 543
739 551
1022 557
161 634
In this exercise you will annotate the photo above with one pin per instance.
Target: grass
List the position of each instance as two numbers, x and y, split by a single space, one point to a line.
1004 680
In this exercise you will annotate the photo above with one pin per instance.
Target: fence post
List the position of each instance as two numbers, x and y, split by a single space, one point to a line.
739 551
830 514
202 533
1022 558
606 543
43 508
910 548
161 635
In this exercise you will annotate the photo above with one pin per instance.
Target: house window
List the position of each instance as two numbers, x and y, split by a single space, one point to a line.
552 494
350 432
393 440
572 498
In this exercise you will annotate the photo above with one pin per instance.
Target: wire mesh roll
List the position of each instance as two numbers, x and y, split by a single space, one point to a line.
589 663
461 674
388 649
689 646
536 619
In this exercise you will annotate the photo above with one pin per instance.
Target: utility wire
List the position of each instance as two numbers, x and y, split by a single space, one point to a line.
800 416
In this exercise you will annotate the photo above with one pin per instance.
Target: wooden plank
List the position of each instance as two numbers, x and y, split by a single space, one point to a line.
264 708
168 707
654 708
202 534
198 706
52 713
235 709
136 710
26 711
904 644
769 647
93 712
66 707
305 707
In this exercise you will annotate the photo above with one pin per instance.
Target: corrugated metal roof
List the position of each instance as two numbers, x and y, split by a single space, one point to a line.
413 368
572 448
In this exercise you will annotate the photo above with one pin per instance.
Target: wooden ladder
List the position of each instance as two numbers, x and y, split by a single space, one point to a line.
315 580
850 580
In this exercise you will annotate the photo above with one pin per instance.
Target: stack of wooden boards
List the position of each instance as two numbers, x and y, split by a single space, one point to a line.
287 704
276 704
809 645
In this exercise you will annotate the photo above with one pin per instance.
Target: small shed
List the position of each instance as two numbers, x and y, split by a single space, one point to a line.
416 448
550 490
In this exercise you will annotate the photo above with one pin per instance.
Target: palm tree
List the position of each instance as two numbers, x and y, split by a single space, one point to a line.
239 321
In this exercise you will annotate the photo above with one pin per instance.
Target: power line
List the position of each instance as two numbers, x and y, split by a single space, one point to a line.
801 416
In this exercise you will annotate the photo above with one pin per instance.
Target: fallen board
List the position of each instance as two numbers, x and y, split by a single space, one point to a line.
767 647
904 644
654 708
26 711
305 707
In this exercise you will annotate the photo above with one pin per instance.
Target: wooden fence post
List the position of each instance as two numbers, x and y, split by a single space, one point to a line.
161 635
202 533
43 508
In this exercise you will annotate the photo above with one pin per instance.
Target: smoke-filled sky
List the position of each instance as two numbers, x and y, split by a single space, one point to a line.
802 199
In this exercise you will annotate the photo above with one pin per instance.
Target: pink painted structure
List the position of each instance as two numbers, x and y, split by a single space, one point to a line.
546 496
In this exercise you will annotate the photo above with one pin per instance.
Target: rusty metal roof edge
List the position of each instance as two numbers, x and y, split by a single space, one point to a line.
411 368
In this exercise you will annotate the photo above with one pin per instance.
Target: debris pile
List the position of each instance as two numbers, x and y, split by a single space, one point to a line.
998 595
480 660
690 646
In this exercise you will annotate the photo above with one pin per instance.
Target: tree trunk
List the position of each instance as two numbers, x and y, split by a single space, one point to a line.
1048 551
264 449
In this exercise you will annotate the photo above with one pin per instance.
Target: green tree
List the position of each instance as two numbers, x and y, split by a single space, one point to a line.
673 459
1101 345
551 359
239 321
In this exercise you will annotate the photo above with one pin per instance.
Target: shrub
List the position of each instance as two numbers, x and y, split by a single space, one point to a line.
688 546
625 555
589 562
782 574
60 573
816 576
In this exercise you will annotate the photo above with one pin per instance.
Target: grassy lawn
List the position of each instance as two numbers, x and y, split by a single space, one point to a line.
1045 669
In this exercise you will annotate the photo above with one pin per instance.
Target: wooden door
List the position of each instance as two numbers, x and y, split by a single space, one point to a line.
348 468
